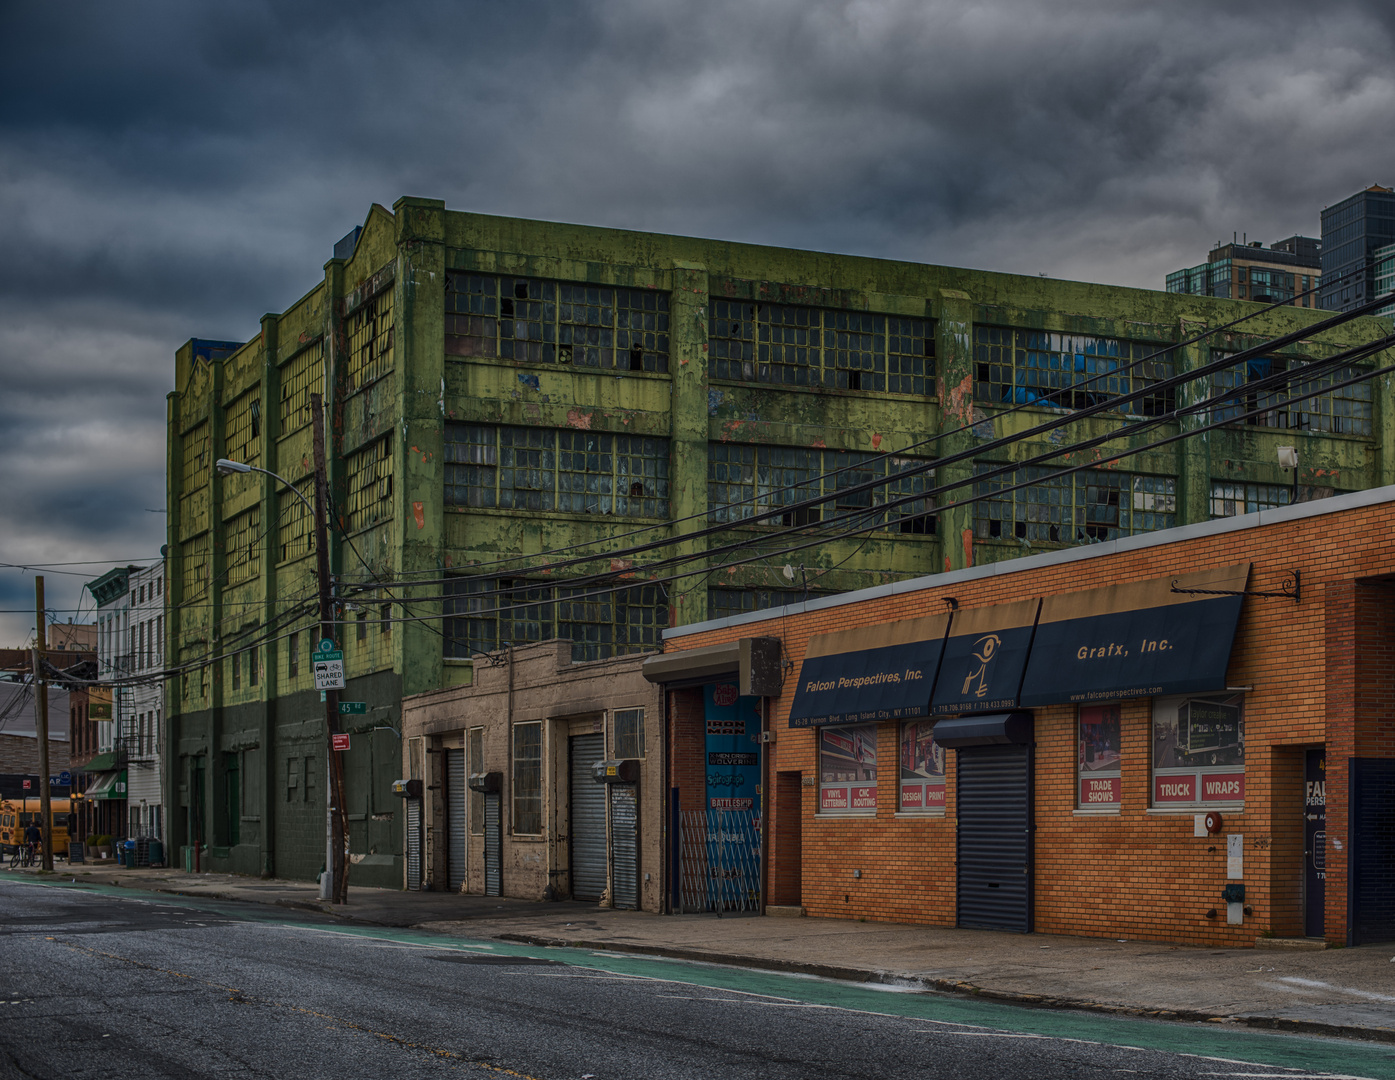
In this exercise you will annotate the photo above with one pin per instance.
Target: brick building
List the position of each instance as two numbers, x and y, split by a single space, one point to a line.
1093 748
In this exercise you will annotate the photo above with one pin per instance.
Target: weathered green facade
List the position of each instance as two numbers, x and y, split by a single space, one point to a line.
449 457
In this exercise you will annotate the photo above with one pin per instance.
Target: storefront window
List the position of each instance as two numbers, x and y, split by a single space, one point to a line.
1098 757
922 769
1198 750
848 768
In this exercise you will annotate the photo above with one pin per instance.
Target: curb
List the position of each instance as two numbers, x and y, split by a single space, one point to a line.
965 989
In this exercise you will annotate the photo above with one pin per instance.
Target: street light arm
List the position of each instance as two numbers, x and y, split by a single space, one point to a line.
227 467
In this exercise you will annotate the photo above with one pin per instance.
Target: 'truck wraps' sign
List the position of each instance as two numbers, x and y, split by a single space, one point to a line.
1138 639
874 673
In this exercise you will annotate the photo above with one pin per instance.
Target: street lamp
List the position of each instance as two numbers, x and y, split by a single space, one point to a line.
333 884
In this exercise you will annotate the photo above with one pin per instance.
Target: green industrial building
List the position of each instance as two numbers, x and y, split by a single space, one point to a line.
499 388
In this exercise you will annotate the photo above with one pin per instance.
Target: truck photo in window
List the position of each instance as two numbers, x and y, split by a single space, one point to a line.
1098 757
1198 750
922 769
848 768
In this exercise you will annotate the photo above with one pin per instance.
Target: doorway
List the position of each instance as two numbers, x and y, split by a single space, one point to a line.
1314 842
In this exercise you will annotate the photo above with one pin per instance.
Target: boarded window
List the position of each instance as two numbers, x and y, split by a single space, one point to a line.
527 779
370 485
302 375
243 554
369 330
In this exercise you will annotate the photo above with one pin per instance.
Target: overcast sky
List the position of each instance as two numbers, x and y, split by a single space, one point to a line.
170 171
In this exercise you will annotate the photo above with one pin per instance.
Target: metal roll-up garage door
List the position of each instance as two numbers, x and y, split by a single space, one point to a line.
624 838
493 846
455 819
995 838
587 819
413 843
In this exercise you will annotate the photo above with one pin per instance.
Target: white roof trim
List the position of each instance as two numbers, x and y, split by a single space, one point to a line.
1335 505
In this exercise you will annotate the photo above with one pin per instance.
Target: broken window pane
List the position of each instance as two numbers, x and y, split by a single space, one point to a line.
1083 507
1070 371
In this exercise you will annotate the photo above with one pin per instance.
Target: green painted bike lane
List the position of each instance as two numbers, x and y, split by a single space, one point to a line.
1308 1054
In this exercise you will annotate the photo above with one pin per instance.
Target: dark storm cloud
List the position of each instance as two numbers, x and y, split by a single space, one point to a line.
173 170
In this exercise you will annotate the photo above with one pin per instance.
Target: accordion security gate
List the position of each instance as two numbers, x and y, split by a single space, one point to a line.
719 860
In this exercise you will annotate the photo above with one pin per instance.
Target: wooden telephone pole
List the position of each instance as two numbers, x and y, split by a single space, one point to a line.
41 722
337 855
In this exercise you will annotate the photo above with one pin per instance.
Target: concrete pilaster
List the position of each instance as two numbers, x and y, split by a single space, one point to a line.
419 314
688 453
954 380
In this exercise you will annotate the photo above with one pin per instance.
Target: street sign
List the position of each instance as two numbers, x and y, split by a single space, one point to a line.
352 708
65 779
26 785
329 670
325 645
341 740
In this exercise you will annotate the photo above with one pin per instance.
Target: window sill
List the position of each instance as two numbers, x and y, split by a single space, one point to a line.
557 365
1195 808
526 838
1098 811
912 815
878 395
843 815
557 515
372 382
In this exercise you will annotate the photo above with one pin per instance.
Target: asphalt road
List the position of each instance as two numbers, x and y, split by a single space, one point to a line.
97 983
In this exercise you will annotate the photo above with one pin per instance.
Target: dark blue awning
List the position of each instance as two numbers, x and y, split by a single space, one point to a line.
874 673
985 656
988 729
1139 639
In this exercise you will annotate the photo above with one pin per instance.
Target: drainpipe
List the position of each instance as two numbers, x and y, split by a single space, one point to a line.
764 801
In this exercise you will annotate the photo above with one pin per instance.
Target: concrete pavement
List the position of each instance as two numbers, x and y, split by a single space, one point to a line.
1345 992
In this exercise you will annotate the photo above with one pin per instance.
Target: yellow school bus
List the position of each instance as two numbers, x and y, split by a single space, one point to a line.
16 814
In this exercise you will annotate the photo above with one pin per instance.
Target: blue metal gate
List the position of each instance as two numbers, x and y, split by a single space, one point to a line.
1371 869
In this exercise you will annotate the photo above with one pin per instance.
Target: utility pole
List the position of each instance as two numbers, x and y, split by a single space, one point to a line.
41 722
336 855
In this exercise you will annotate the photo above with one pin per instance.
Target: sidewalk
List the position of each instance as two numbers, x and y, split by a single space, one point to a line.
1346 992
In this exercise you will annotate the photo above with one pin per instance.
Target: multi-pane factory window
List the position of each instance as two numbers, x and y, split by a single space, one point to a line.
581 472
370 485
805 346
303 375
1345 411
1083 507
485 613
370 334
242 559
744 480
243 428
195 569
724 603
195 453
1230 498
1070 371
546 321
295 523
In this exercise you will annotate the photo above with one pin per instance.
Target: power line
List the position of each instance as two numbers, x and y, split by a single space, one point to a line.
1046 400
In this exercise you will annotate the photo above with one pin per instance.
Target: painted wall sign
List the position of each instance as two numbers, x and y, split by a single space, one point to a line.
985 656
874 673
1138 639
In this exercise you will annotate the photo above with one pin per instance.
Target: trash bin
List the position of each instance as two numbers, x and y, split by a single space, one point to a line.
157 853
128 851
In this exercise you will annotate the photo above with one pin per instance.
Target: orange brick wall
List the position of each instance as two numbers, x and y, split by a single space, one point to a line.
1321 670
